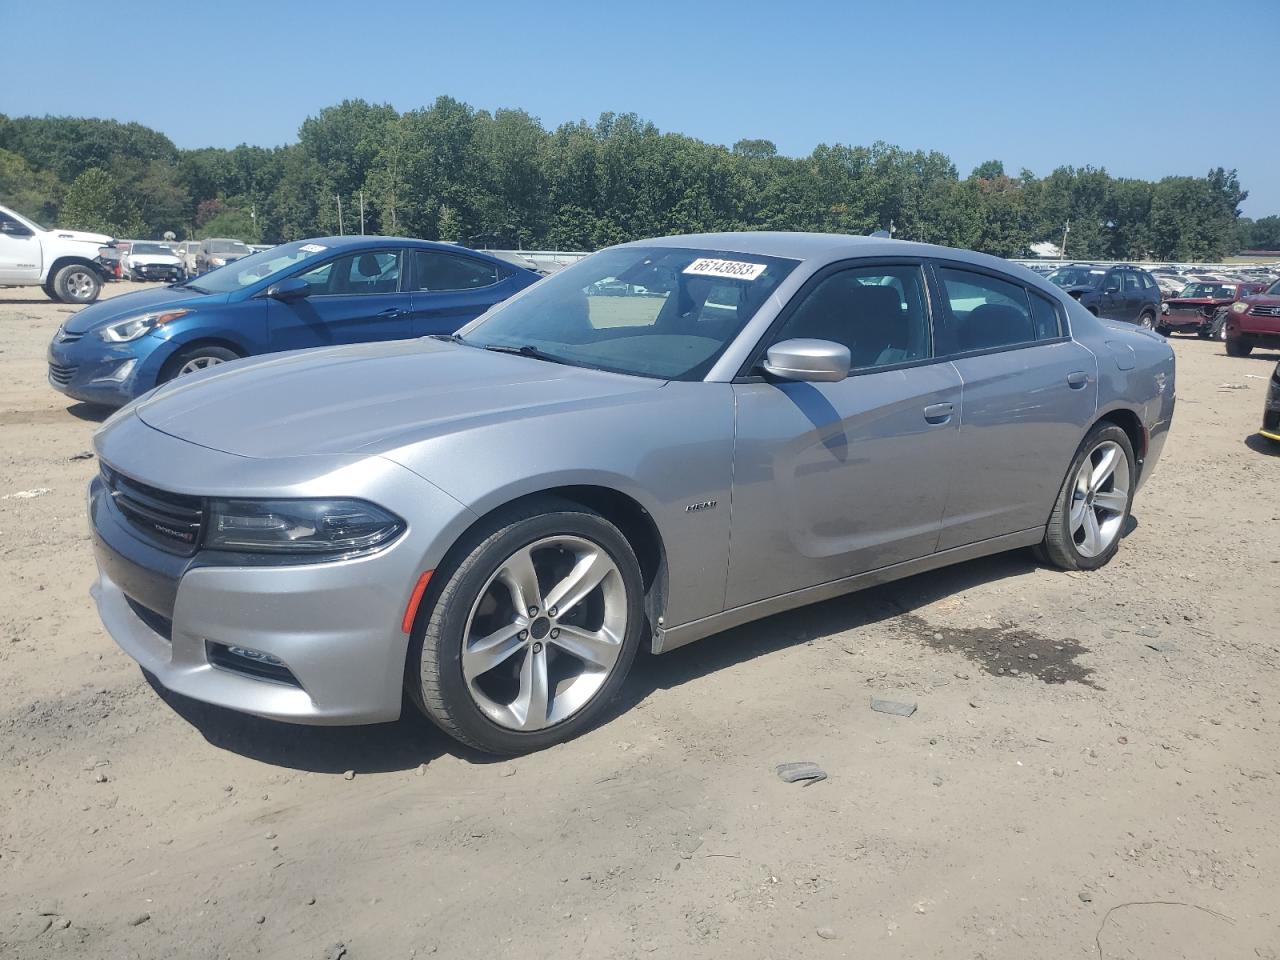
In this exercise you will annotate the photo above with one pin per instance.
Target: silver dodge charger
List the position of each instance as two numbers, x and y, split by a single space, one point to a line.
667 439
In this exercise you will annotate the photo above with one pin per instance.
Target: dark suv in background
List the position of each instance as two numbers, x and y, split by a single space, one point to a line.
1122 292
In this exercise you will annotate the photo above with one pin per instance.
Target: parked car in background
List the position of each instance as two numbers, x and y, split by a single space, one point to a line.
1115 293
1170 284
498 520
153 261
1196 306
1254 322
309 293
187 251
217 252
1271 408
259 247
63 263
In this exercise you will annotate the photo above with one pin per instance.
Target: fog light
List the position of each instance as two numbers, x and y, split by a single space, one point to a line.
120 374
255 655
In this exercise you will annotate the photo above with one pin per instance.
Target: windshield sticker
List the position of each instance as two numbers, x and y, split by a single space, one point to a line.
728 269
1098 272
313 248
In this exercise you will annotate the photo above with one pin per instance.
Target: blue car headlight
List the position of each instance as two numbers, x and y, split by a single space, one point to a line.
329 529
131 328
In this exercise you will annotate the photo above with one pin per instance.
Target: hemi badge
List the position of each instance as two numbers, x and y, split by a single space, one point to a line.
704 505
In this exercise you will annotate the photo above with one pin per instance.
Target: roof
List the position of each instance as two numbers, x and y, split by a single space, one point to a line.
822 247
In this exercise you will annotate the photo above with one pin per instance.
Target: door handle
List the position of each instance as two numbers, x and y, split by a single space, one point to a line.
1077 379
393 312
939 412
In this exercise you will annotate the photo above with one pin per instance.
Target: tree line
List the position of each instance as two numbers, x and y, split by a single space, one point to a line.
451 172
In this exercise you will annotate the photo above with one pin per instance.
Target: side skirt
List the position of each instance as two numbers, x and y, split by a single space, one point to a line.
673 637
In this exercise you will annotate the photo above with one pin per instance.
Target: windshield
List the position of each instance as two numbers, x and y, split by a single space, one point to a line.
1208 291
251 269
1274 289
153 249
662 312
1076 276
228 246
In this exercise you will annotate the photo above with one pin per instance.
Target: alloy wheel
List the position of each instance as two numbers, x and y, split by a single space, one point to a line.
198 363
1099 499
80 285
545 633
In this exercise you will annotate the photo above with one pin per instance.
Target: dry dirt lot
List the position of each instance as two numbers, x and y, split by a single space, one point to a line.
1093 770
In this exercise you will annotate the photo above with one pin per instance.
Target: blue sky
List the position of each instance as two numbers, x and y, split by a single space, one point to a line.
1145 89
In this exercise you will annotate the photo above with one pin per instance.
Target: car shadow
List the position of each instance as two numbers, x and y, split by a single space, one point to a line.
370 748
1260 444
91 412
413 740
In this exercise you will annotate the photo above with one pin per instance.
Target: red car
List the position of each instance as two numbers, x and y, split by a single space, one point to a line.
1254 322
1198 303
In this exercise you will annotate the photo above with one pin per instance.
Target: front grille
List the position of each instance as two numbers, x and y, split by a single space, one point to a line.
172 520
61 373
1262 310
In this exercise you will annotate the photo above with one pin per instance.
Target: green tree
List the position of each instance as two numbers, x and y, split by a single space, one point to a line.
94 202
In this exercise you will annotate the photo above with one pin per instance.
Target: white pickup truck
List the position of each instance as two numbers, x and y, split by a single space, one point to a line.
64 263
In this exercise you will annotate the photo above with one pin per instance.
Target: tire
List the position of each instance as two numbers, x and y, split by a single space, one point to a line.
49 292
1239 347
76 283
483 710
1061 546
193 358
1147 320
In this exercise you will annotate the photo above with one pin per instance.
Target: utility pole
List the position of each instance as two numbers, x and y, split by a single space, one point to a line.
1065 230
341 232
362 213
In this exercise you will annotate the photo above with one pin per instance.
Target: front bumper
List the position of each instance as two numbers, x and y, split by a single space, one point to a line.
1271 409
335 627
88 368
166 272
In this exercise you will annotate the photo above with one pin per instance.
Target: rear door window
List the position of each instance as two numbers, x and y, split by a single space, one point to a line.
987 313
435 272
358 274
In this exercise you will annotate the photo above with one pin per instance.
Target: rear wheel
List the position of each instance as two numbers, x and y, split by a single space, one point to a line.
1093 505
77 283
533 631
1147 321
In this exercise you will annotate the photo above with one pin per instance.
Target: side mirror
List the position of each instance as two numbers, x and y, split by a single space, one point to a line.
290 290
820 361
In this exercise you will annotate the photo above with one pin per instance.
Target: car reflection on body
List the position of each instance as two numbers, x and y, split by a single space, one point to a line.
498 520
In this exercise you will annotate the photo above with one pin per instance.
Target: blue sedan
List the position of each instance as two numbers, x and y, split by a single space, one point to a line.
308 293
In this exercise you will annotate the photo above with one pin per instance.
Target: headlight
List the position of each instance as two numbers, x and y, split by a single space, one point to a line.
1239 307
329 529
218 261
122 331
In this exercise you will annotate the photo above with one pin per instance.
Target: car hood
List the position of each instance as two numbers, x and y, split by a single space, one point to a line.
1078 288
80 236
155 258
368 397
1194 301
132 304
1268 300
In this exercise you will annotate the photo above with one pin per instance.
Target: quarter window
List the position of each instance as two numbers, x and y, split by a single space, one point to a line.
1048 320
434 271
879 313
355 275
988 313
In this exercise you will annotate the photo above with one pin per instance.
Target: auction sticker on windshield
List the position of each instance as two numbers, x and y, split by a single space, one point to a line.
727 269
313 248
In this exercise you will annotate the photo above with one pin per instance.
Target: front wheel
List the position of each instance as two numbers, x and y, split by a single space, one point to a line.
1148 321
1239 347
538 619
77 283
1093 505
195 358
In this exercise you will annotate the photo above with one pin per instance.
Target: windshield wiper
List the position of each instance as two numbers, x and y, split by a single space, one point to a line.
190 286
526 350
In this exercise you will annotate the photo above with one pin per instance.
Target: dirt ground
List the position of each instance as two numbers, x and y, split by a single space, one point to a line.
1093 769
